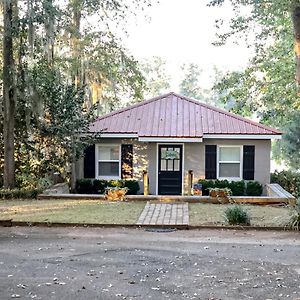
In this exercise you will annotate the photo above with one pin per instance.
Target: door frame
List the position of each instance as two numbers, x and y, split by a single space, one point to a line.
157 164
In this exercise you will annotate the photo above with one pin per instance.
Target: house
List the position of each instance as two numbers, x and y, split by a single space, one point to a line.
172 135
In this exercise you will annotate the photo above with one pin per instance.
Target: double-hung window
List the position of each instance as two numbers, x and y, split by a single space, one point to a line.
108 161
229 162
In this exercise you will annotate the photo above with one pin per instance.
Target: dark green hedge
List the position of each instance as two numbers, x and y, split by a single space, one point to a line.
95 186
19 193
289 180
238 188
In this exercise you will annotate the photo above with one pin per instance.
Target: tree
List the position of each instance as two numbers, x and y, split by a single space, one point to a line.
82 55
267 87
157 80
189 85
9 94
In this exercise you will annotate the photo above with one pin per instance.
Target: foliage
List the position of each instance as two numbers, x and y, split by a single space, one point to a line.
290 145
190 84
253 188
95 186
294 222
266 89
30 181
67 69
157 79
22 193
238 188
289 180
236 215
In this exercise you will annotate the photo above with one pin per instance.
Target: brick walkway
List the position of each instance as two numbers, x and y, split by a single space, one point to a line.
164 214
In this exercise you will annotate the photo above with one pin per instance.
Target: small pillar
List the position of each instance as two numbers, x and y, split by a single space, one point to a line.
146 182
190 182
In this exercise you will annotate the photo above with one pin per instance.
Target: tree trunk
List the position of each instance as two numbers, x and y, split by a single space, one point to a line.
9 96
296 25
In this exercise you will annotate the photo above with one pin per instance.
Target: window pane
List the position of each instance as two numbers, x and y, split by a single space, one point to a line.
229 170
176 165
229 154
163 165
109 152
108 168
170 164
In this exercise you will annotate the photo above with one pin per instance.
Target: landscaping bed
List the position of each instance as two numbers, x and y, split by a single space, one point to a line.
211 214
68 211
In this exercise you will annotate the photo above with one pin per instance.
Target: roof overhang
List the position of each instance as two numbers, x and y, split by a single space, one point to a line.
170 139
243 136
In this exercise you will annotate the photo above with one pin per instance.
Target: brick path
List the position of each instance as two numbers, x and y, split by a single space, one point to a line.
164 214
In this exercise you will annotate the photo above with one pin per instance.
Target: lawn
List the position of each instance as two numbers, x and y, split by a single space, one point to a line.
260 215
68 211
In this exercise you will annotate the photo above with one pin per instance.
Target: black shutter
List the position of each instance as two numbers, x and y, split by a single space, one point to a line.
127 161
210 161
89 162
248 162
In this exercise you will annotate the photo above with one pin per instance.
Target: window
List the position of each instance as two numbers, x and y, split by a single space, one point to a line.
170 159
229 162
109 161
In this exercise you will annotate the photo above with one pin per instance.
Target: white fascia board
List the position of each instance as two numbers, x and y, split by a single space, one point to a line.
170 139
243 136
118 135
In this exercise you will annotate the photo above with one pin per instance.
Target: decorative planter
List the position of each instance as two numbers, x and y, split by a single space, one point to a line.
115 193
213 193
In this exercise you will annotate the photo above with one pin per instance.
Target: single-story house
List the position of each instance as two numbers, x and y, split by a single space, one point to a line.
170 135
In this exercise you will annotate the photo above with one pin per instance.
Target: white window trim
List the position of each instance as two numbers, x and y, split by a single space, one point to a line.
97 162
228 162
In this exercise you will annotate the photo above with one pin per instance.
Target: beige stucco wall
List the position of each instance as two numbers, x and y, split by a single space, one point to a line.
145 158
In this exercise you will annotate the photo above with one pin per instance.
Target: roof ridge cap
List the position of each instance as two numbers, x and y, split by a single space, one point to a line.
223 111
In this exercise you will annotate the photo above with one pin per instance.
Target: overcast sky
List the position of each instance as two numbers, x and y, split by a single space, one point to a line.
182 32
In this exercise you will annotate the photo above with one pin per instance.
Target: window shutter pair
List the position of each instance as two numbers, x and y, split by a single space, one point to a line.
211 162
126 162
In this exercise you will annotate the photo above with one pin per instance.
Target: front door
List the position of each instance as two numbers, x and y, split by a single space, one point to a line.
169 169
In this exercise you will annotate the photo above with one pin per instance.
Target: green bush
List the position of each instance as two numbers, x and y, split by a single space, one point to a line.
84 186
19 193
289 180
236 215
238 188
294 222
254 188
96 186
133 186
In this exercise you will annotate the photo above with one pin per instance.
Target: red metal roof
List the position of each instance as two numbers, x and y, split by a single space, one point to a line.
172 115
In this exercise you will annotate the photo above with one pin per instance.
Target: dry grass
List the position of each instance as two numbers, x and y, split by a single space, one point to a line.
212 214
68 211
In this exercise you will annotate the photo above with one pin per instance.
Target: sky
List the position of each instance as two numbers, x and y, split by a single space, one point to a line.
182 32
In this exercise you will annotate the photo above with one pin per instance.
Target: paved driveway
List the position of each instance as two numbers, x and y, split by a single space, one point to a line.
69 263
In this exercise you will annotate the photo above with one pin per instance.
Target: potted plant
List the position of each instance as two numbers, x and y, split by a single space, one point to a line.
115 193
213 192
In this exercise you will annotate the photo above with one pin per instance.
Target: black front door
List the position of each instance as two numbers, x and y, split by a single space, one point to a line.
169 169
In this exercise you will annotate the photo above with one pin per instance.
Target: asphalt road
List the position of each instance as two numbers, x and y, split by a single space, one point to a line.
83 263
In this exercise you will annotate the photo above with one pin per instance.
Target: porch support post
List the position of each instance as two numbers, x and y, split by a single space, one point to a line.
146 182
190 182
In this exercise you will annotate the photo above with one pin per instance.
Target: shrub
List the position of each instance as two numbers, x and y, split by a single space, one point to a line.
99 186
294 222
19 193
133 186
254 188
237 188
289 180
84 186
236 215
96 186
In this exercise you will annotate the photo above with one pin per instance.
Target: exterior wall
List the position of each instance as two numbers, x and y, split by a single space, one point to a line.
145 158
262 155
